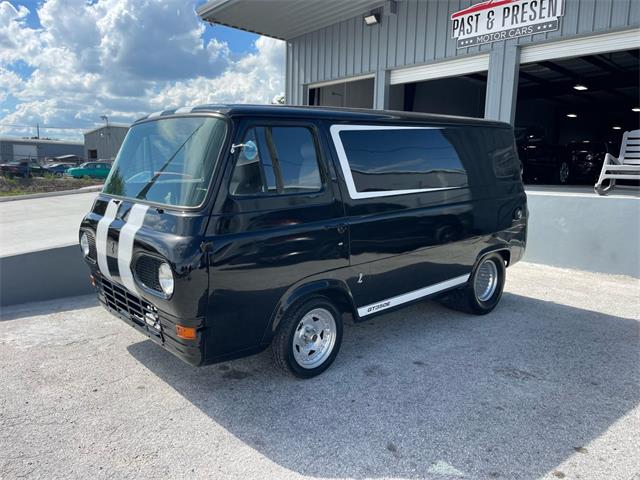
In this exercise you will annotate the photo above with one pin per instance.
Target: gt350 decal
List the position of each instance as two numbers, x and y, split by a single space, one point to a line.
380 306
414 295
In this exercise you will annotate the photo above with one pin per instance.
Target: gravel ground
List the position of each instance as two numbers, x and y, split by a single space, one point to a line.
545 387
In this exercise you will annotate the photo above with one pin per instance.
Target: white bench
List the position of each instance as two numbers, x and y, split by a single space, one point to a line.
625 167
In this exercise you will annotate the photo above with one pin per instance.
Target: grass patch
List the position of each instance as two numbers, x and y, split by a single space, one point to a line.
28 186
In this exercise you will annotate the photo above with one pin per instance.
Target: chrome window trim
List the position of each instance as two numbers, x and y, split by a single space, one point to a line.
346 168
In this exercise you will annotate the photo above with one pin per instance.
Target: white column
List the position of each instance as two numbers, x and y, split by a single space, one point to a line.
502 83
381 90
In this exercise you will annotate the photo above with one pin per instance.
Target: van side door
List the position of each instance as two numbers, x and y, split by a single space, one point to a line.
278 219
410 211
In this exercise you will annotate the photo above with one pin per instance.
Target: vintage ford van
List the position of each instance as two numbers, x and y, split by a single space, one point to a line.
222 230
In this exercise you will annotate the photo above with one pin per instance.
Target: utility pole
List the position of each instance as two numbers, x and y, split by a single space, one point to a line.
37 130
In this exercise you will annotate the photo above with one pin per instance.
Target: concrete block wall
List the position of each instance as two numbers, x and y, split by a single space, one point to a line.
572 230
585 232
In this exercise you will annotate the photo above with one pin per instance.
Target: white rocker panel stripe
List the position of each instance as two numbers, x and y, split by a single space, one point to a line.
410 296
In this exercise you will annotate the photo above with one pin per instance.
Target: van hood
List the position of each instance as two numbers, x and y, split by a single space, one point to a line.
124 231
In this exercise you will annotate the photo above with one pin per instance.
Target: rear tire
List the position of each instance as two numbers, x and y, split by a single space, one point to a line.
308 338
484 289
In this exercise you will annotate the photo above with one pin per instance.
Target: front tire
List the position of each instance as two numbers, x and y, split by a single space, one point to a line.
484 289
308 338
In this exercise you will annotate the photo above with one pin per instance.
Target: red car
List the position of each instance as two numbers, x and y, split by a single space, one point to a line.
22 168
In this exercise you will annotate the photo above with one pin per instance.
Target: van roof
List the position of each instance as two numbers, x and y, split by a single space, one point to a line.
332 113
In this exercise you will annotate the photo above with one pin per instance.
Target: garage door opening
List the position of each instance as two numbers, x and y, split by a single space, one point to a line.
464 95
571 112
354 94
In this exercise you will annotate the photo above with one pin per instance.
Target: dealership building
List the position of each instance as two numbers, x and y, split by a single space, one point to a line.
565 73
567 66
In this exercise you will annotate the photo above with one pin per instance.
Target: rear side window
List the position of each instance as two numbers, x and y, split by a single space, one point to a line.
399 159
502 151
276 160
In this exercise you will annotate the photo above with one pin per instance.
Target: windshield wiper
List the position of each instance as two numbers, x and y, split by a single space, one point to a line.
143 193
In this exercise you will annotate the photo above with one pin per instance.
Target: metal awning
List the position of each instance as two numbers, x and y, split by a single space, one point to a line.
283 19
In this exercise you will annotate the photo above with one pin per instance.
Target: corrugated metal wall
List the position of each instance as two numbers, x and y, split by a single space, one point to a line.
106 141
420 33
45 150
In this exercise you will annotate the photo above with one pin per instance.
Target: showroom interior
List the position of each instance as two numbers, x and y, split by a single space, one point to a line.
564 107
570 91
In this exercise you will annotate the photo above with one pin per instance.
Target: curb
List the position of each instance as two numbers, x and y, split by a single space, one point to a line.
47 274
12 198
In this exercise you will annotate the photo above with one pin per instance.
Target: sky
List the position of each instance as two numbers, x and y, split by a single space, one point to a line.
67 63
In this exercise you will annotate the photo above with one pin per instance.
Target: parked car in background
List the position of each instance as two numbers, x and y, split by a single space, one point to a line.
541 159
587 158
73 160
22 168
58 169
90 170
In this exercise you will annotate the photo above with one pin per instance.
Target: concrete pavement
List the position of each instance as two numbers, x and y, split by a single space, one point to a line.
39 254
547 386
42 223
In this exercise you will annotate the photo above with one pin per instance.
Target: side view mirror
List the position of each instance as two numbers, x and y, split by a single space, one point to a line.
250 149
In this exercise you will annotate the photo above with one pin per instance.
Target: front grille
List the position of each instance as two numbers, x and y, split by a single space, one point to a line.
92 245
119 299
146 270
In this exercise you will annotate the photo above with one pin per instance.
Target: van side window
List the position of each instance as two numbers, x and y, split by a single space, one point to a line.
402 159
499 146
253 173
276 160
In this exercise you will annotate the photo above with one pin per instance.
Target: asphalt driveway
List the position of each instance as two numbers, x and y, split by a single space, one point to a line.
546 386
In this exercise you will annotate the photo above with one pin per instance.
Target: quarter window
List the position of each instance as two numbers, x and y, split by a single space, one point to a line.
402 159
276 160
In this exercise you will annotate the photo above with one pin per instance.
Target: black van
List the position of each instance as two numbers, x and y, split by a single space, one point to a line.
222 230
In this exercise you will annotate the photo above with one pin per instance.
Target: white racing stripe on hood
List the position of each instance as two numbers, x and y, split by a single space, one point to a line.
102 232
125 245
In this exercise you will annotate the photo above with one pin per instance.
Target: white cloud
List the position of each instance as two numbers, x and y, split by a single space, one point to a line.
122 58
9 82
255 78
16 40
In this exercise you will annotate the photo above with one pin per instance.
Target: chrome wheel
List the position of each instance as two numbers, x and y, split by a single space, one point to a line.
486 280
314 338
564 172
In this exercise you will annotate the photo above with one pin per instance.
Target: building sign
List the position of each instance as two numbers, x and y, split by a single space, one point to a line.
495 20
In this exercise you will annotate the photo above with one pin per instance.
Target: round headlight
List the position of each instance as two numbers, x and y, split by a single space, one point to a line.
165 277
84 244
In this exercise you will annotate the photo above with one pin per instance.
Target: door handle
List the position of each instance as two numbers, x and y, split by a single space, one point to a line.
341 227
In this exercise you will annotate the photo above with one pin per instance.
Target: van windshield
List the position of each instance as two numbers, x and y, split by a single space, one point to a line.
168 161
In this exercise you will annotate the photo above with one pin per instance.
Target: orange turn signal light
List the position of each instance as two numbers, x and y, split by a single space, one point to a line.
186 333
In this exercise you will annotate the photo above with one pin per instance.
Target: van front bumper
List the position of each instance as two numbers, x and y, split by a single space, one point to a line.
146 318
